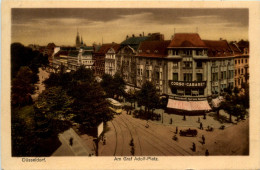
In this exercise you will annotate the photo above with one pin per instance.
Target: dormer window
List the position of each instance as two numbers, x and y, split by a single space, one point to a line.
147 51
139 51
156 51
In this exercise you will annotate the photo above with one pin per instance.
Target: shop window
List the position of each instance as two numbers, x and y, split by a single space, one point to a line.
188 92
201 91
199 76
175 76
174 90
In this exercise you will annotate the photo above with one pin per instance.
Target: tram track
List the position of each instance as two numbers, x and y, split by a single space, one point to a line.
136 136
180 150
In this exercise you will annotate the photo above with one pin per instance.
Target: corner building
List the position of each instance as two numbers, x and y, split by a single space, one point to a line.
188 70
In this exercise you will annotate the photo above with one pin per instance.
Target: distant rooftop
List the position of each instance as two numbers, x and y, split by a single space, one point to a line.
186 40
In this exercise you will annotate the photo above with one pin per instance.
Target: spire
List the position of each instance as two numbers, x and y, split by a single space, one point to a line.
81 40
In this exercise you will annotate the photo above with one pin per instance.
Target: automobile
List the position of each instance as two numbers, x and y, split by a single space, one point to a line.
188 132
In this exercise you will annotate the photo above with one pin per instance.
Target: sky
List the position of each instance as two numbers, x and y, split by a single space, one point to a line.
59 25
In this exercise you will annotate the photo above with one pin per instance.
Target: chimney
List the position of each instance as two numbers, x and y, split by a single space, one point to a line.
126 37
143 34
140 35
220 39
133 35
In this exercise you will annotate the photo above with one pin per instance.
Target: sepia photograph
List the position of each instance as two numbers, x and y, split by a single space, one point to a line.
129 84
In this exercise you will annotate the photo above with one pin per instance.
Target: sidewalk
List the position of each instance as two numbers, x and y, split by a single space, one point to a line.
78 147
191 121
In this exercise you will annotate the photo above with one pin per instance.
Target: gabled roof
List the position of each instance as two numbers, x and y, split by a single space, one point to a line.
105 47
153 48
219 48
235 48
186 40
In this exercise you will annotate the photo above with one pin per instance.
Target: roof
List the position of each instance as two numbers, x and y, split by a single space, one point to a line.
153 48
134 41
89 48
235 48
105 47
186 40
188 105
61 52
74 53
219 48
87 53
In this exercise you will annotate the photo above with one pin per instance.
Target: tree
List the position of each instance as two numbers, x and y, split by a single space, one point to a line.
148 96
107 84
131 96
90 107
118 85
23 87
53 103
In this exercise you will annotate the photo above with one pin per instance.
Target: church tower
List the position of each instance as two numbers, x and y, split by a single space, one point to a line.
77 40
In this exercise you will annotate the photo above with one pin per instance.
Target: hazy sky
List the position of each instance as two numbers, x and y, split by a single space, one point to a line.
41 26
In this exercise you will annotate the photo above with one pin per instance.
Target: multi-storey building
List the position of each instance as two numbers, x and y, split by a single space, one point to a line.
187 66
110 58
241 65
221 61
126 57
151 63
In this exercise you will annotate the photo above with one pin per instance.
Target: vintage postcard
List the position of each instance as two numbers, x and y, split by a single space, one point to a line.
130 85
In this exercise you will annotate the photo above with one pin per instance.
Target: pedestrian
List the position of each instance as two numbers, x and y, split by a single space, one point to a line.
71 141
193 147
207 152
201 126
199 119
176 130
203 139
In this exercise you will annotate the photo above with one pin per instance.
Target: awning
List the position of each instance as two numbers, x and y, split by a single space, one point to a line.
216 102
188 105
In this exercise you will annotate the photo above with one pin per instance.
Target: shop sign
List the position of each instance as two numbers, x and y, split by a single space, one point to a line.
192 84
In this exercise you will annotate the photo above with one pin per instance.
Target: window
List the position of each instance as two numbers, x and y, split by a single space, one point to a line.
187 91
174 91
238 71
147 73
187 77
201 91
199 76
245 60
175 64
215 76
242 71
235 72
187 64
199 64
235 61
175 76
242 61
157 75
238 61
224 75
